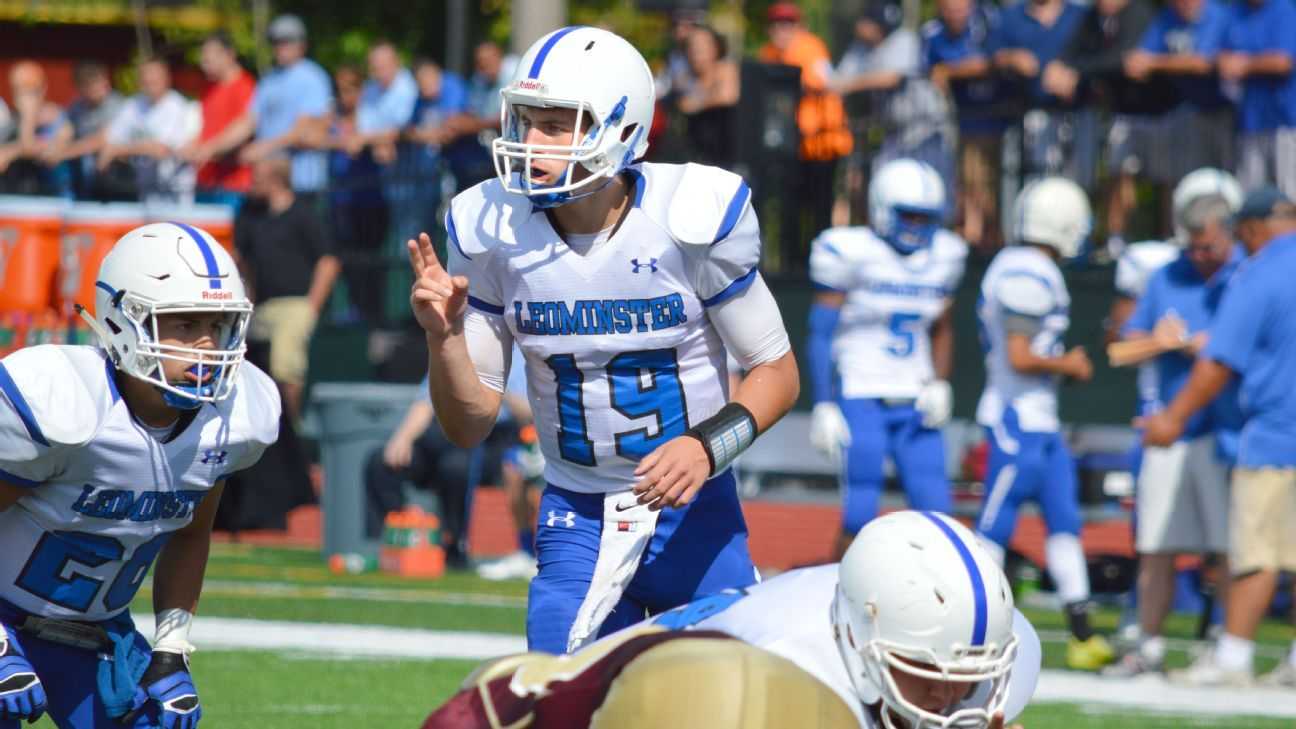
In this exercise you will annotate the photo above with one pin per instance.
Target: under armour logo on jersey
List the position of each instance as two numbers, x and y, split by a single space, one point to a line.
214 457
568 521
651 265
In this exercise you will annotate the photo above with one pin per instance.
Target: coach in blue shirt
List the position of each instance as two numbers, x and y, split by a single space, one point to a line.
1259 52
1030 34
1253 338
1182 497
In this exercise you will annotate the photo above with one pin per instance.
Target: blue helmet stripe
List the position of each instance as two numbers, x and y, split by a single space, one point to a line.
213 270
979 618
548 46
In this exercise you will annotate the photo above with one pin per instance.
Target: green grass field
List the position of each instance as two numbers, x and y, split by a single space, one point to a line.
301 690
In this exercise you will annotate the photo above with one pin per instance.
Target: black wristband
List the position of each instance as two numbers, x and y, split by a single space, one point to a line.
725 435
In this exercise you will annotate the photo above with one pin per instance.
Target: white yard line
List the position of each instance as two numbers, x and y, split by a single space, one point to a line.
382 594
350 641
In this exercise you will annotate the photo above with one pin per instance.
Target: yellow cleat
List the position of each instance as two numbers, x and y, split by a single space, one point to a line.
1089 655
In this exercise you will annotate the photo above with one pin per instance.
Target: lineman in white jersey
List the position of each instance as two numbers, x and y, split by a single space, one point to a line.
623 285
1024 314
915 626
112 457
881 343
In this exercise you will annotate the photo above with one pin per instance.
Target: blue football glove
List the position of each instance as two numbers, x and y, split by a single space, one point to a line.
21 694
169 686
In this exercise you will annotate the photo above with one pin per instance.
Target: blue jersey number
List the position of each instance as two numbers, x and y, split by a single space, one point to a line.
903 331
660 396
50 572
686 616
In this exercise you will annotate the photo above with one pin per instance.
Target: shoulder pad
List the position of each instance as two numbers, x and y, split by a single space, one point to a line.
949 245
697 204
253 408
1026 294
67 390
484 217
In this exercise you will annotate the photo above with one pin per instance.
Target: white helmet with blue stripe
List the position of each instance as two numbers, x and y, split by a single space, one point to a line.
1053 212
918 598
171 268
597 75
906 204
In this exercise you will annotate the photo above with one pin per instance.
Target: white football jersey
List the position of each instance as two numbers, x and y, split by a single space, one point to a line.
1133 271
791 616
1021 281
620 355
882 346
105 494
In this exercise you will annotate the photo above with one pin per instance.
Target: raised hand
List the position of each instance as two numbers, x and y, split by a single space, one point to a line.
437 299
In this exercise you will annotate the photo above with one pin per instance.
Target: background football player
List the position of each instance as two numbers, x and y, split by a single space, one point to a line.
623 284
1024 314
914 628
115 456
881 344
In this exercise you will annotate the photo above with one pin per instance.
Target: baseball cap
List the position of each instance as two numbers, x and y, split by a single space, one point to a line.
783 12
1260 204
286 28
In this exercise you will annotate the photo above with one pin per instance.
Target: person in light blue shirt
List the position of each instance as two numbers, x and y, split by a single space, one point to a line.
1259 52
386 100
1252 340
288 114
469 156
1182 497
415 195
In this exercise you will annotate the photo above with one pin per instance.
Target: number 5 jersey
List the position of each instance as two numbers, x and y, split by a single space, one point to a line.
105 494
882 346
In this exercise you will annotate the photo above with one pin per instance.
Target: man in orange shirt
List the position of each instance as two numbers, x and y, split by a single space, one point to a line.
821 117
222 179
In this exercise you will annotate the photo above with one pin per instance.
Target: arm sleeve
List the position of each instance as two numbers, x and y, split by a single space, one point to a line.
490 346
1238 325
822 325
751 326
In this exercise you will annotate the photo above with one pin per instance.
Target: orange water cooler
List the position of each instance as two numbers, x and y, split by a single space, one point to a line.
89 231
29 253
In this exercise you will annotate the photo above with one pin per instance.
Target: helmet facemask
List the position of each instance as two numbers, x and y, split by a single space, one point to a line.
132 338
910 229
604 149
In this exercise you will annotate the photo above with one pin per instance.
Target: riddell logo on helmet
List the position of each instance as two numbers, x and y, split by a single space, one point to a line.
530 84
218 295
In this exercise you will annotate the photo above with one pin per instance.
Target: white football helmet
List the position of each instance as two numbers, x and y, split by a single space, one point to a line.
170 268
592 72
917 595
1199 183
903 188
1054 212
